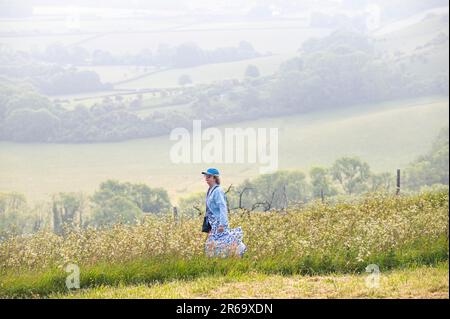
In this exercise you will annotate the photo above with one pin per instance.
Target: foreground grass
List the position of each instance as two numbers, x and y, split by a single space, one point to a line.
317 240
39 284
148 272
418 282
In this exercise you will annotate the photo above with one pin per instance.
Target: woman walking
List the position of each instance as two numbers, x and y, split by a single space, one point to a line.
222 241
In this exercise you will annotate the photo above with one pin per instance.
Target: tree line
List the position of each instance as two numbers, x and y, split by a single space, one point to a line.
187 54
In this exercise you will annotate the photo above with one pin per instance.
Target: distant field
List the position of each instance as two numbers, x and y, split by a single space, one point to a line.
132 35
199 75
57 23
411 21
412 38
90 98
208 73
39 42
387 136
116 73
407 35
268 39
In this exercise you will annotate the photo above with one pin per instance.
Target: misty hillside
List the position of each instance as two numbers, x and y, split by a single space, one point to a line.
87 84
332 77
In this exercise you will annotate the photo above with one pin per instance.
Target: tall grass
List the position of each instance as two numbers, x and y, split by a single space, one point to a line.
391 231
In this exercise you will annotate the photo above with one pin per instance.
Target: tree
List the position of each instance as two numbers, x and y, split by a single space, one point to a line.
57 53
66 207
137 102
252 71
116 209
351 173
271 191
26 125
136 198
321 183
431 168
381 182
27 100
14 216
184 80
70 81
188 54
149 200
246 50
193 205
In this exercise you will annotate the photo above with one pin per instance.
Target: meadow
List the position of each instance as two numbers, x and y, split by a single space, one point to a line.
387 135
397 233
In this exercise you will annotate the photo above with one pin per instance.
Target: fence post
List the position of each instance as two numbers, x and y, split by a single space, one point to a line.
321 195
398 182
175 214
286 201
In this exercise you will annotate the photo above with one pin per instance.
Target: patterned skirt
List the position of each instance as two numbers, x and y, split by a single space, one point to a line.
225 244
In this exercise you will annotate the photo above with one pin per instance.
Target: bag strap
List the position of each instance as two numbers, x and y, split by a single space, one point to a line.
209 193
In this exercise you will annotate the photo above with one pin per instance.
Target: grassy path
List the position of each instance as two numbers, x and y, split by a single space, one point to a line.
420 282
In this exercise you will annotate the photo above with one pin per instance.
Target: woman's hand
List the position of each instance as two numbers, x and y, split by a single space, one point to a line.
220 229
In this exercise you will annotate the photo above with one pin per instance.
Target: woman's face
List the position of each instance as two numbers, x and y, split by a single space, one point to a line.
209 179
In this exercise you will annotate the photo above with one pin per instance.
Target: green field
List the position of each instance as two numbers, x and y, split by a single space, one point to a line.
208 73
117 73
388 136
415 30
407 37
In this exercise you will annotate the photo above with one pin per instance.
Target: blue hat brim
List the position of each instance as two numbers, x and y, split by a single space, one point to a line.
206 173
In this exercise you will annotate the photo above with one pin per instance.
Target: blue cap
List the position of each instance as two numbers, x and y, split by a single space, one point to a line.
211 171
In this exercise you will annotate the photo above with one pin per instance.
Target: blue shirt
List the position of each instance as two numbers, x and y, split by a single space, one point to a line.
217 204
